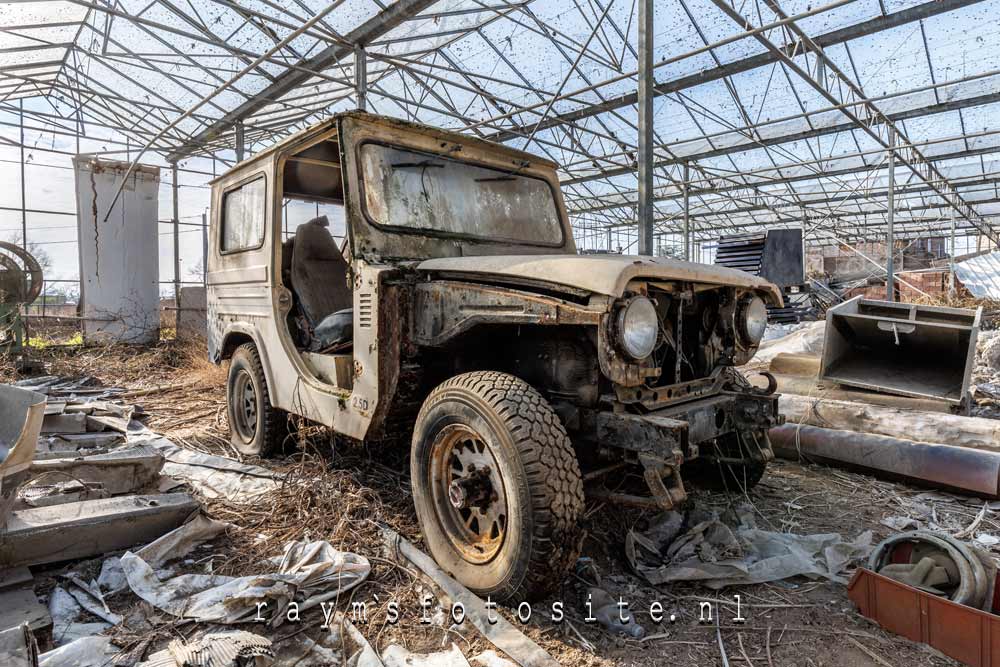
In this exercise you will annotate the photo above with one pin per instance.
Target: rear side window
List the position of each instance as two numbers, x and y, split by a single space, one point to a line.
243 216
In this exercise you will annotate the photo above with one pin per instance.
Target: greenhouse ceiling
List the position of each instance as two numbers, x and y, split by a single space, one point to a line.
779 112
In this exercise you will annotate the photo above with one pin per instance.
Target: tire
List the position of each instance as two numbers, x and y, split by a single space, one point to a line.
725 477
256 428
524 485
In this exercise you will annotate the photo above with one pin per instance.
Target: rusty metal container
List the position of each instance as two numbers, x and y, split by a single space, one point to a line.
901 348
968 635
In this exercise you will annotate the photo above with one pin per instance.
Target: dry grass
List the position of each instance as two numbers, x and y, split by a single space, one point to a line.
341 491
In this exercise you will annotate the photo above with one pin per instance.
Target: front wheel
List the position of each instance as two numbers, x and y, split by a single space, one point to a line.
497 486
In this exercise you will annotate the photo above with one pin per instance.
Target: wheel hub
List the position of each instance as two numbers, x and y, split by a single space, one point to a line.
245 406
473 490
468 493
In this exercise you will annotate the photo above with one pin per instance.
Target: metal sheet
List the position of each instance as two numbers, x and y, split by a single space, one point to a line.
968 635
119 257
905 349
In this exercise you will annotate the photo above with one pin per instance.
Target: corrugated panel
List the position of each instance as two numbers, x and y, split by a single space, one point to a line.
981 275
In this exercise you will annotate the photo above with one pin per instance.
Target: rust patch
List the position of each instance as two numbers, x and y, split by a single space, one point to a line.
968 635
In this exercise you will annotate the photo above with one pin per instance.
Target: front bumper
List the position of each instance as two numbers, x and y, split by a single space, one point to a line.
684 427
663 440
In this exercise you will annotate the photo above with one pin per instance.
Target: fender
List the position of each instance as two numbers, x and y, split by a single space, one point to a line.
247 329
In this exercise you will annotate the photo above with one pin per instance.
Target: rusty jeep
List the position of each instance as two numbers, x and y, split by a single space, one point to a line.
393 281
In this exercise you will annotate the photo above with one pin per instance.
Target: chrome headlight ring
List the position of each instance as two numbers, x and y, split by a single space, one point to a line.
637 328
751 319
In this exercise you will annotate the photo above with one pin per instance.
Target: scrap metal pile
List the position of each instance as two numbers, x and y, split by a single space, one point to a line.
890 388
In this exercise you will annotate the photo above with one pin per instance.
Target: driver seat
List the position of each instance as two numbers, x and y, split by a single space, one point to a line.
319 276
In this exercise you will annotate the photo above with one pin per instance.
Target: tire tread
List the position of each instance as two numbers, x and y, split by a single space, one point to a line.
552 471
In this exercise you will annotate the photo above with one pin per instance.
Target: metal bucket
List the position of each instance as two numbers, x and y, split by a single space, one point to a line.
901 348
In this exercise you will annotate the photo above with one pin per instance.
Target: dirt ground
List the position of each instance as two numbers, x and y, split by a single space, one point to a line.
340 491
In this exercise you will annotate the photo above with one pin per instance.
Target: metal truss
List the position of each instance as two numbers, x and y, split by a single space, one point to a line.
758 115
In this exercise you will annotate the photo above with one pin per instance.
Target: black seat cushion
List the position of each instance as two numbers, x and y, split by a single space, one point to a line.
336 330
319 271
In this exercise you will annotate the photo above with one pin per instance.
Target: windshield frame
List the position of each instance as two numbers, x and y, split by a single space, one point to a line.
422 231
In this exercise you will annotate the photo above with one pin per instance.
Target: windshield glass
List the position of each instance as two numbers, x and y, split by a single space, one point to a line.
422 191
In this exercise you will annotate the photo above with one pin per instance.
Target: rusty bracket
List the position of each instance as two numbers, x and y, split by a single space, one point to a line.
655 472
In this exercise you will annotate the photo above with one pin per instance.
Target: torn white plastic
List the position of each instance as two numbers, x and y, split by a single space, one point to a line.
309 574
211 476
180 541
84 652
65 611
735 552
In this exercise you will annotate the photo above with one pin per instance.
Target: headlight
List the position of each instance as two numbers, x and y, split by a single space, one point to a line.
752 319
638 328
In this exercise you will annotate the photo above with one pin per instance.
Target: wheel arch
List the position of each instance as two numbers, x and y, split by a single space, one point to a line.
238 335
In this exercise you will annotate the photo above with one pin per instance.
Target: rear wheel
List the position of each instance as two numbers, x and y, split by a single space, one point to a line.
255 426
497 486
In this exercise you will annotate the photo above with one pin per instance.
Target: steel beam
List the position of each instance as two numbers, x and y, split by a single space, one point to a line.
174 191
645 155
389 18
241 141
831 83
687 212
808 132
360 78
872 26
890 238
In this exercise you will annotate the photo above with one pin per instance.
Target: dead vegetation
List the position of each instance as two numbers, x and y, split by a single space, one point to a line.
342 491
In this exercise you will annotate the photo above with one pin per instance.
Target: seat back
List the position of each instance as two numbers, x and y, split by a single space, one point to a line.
319 271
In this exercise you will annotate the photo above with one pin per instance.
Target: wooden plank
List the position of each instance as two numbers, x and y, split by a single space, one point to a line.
90 527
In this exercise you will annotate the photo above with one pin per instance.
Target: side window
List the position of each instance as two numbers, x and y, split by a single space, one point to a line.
243 212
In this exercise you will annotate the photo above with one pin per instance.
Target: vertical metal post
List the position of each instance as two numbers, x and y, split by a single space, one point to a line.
951 278
890 250
687 213
24 201
22 326
241 141
204 249
645 211
360 77
177 244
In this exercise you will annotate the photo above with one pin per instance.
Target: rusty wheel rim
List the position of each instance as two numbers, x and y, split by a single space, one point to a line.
244 401
468 493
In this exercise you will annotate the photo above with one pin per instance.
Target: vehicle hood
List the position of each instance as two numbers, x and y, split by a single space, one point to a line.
600 274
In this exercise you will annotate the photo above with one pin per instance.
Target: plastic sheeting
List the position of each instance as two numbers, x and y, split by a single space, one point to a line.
981 275
309 573
731 550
